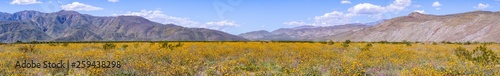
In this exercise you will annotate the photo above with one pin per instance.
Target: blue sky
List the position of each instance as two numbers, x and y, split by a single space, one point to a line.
239 16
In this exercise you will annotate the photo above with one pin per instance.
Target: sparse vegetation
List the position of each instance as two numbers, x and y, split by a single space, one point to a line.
108 46
27 48
480 54
346 43
330 42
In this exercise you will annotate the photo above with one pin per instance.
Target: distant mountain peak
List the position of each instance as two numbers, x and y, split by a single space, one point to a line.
134 18
416 14
28 12
304 26
67 12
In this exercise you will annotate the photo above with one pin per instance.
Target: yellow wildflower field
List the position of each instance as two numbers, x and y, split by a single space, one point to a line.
245 58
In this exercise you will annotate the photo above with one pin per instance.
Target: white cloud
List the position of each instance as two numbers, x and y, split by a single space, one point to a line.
436 4
366 8
345 2
420 11
113 0
160 17
295 23
24 2
220 25
398 5
481 6
363 9
332 18
77 6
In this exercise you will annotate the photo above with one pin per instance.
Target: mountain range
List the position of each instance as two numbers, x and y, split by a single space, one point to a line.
303 33
72 26
476 26
480 26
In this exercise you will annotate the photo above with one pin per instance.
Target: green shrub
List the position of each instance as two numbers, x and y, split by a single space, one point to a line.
108 46
330 42
171 46
406 42
468 43
462 53
367 47
124 46
481 55
52 44
346 43
65 44
27 48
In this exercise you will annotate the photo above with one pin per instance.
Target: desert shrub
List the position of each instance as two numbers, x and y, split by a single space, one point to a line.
19 41
52 44
367 47
481 55
406 42
136 45
124 46
172 46
346 43
462 53
108 46
330 42
484 55
383 42
65 44
164 45
468 43
27 48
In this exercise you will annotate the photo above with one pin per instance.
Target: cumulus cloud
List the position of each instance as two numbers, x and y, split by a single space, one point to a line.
366 8
113 0
436 4
481 6
345 2
332 18
24 2
362 9
160 17
420 11
77 6
398 5
219 25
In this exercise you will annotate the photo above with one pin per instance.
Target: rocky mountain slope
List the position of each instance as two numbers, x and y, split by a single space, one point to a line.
482 26
73 26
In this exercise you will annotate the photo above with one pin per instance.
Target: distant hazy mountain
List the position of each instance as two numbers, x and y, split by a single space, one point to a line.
73 26
303 32
470 26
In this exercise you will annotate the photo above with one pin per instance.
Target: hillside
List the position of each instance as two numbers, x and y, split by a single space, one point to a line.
481 26
73 26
